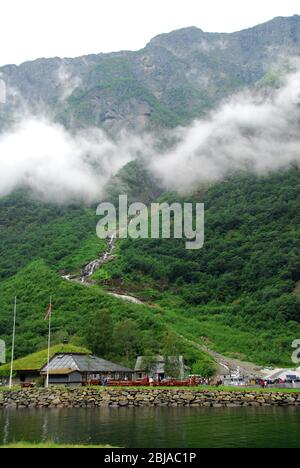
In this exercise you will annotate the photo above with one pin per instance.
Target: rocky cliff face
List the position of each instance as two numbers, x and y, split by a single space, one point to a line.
175 78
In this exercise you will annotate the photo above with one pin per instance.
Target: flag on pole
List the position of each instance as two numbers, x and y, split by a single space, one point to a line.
48 317
13 346
48 313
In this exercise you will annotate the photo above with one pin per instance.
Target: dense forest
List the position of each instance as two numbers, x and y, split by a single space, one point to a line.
235 295
251 251
245 276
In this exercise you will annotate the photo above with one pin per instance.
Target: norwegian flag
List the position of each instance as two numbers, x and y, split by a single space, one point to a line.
48 313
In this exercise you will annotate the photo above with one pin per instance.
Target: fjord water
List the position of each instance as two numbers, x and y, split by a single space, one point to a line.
155 427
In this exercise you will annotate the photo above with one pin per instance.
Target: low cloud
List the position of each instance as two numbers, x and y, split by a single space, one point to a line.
59 165
252 132
249 133
67 81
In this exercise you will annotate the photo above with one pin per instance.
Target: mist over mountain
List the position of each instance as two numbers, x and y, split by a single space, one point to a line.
193 106
253 132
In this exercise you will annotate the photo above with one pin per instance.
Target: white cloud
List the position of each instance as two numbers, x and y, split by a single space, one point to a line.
43 156
250 132
67 81
247 133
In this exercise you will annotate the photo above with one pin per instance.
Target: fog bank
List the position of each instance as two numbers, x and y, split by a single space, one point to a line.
256 132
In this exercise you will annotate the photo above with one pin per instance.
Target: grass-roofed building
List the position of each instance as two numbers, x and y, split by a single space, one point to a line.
28 369
78 368
69 365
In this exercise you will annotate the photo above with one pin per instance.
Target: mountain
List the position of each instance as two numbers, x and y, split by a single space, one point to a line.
239 294
177 77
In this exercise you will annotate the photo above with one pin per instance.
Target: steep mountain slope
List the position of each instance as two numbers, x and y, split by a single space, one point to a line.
135 181
64 236
75 309
236 295
175 78
252 231
244 278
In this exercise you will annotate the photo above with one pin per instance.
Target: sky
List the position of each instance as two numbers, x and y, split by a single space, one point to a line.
32 29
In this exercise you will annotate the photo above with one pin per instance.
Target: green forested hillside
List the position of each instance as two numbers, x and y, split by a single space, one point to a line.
236 294
244 277
251 251
85 316
64 236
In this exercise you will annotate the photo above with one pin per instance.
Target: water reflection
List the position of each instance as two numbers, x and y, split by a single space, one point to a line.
155 427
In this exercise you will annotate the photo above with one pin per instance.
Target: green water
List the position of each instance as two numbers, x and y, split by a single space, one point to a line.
156 427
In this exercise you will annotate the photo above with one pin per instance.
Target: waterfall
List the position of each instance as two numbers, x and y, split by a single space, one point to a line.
93 266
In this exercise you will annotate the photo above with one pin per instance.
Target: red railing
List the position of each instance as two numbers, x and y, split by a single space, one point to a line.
27 385
144 383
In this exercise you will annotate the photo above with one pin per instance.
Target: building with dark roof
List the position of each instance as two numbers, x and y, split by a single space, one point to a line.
77 369
157 367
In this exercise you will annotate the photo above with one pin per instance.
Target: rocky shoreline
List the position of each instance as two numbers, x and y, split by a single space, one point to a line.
117 397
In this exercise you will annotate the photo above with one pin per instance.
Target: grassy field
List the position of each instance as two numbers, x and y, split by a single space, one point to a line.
220 389
252 389
199 388
48 445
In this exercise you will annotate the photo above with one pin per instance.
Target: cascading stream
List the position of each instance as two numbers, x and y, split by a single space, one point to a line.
93 266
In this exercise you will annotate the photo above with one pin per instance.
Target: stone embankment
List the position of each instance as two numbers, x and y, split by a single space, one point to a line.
117 397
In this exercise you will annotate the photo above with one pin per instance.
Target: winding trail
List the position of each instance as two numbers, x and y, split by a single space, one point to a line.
228 365
126 298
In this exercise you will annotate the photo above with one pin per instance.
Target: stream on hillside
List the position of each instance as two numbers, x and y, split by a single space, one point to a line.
89 269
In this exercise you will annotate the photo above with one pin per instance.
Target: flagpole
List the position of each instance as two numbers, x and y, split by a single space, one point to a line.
13 345
49 344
